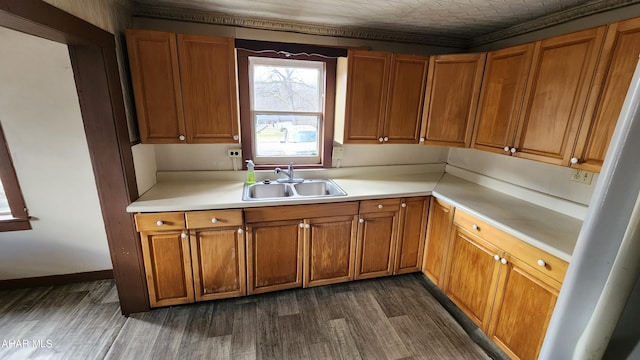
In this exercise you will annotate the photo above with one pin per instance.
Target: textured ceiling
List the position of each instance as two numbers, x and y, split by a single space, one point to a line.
458 20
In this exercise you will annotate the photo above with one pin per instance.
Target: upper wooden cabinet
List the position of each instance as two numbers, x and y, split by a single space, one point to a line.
451 99
153 58
557 96
503 86
384 97
184 87
617 65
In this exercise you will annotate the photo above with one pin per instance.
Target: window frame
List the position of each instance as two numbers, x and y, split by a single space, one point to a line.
19 217
328 109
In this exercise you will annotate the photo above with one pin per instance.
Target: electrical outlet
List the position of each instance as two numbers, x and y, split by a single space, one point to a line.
581 176
338 153
234 153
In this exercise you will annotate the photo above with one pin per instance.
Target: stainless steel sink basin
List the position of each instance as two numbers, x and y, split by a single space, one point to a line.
306 189
265 191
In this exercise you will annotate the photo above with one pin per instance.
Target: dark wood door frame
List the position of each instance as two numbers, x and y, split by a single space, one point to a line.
95 68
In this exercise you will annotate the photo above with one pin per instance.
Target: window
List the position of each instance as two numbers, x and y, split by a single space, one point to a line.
13 211
286 107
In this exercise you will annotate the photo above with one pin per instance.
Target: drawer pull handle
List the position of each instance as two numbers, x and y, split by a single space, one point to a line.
240 231
496 257
183 235
541 262
214 220
503 261
159 222
380 206
404 205
361 221
475 227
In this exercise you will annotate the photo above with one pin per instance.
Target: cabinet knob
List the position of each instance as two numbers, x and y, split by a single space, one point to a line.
506 148
361 221
381 139
307 226
503 261
159 222
496 257
574 160
404 205
301 226
181 138
240 231
422 139
380 206
183 235
386 138
475 227
541 262
236 137
513 150
214 220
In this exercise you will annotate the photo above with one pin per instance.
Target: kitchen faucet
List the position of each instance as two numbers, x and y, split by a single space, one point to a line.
289 173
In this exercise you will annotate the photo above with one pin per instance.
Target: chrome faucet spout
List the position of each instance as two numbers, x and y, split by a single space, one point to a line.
289 172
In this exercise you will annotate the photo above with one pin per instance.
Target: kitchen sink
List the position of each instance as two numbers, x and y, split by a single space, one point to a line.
306 189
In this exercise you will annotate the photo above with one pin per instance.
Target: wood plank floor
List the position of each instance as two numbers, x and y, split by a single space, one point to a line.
388 318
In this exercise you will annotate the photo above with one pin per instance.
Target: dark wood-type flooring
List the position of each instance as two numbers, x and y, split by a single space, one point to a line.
387 318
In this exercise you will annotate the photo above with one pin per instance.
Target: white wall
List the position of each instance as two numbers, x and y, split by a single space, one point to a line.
40 115
534 175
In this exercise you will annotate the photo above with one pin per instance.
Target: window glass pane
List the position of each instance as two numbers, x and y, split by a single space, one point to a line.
287 88
4 204
287 135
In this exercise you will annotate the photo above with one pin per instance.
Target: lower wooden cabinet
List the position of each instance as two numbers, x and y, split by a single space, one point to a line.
218 260
507 287
167 262
522 311
410 244
377 236
472 275
437 240
329 249
274 250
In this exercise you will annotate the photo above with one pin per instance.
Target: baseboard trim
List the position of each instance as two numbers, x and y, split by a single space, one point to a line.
55 280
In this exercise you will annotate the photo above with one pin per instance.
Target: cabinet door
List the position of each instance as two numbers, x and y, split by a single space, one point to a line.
367 84
451 100
503 86
329 250
377 235
153 58
437 241
472 275
622 48
410 244
167 263
523 307
406 94
218 260
274 256
207 70
557 95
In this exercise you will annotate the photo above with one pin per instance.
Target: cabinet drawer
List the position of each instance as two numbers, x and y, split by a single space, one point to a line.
160 221
538 259
527 253
374 206
213 218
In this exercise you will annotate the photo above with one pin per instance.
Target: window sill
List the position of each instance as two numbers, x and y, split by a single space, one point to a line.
284 166
9 223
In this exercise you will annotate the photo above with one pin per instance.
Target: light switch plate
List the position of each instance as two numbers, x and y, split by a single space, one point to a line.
338 153
581 176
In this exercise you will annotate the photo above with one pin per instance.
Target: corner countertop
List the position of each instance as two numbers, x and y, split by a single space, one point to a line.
546 229
543 228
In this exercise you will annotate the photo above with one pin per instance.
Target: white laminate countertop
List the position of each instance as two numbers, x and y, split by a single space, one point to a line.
546 229
543 228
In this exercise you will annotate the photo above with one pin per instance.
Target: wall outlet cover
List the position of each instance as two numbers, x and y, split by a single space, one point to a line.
338 153
581 176
234 153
